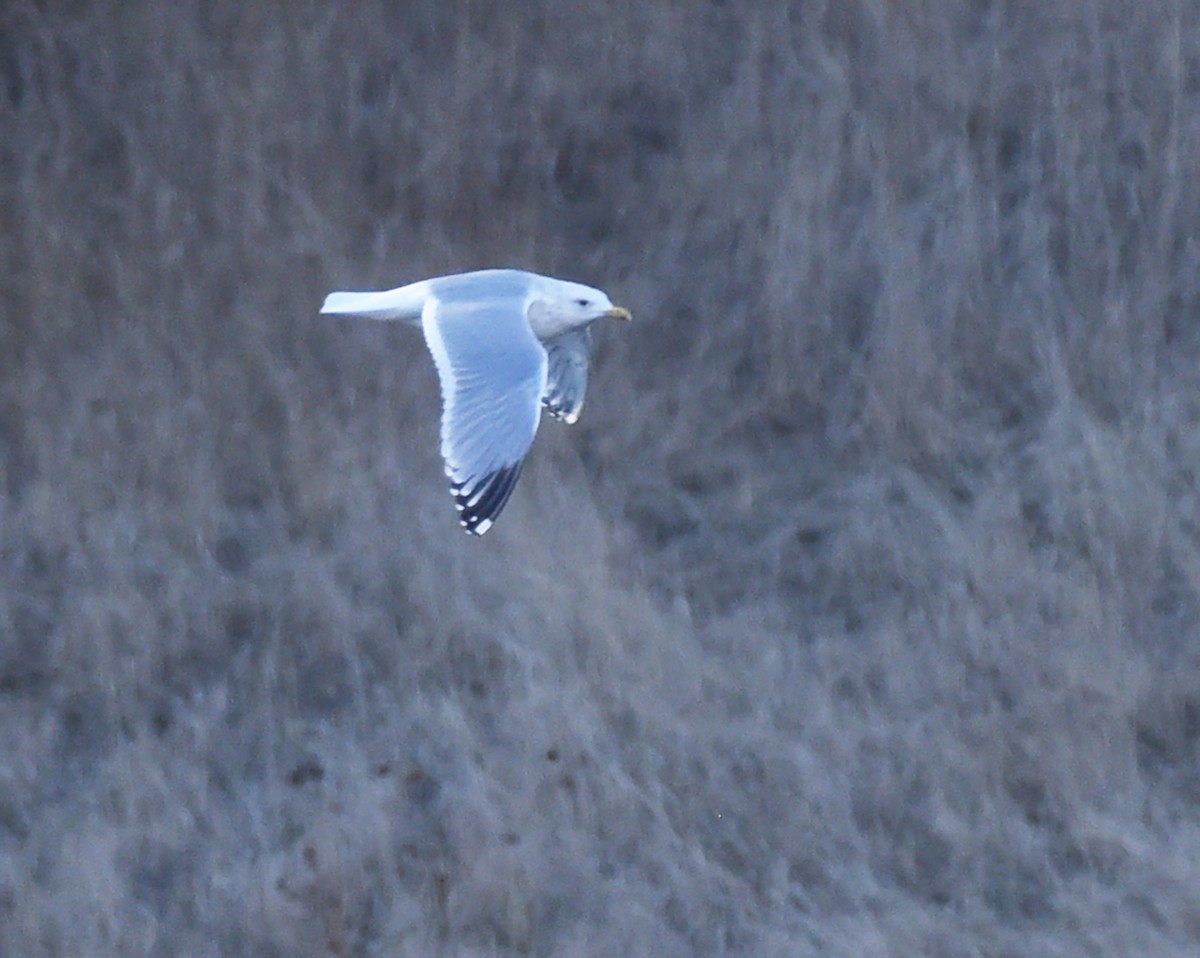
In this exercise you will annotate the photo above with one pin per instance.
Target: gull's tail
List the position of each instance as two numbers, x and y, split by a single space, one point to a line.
406 302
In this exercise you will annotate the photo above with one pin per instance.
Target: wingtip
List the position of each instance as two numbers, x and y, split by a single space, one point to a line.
479 507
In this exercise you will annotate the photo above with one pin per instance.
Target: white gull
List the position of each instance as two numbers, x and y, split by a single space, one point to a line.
505 343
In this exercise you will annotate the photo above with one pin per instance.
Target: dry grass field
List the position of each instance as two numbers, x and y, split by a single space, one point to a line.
860 614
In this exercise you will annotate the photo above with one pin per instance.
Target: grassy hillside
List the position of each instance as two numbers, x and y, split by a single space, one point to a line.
857 617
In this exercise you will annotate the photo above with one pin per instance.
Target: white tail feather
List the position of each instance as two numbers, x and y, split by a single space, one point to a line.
406 302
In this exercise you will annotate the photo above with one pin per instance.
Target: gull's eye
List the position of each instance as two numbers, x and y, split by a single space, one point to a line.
583 302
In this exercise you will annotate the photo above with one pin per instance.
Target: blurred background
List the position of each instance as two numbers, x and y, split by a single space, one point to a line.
856 617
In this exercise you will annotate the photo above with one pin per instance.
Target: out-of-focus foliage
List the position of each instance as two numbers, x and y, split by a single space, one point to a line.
858 615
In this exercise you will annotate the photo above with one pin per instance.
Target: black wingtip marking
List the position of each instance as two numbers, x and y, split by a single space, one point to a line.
491 493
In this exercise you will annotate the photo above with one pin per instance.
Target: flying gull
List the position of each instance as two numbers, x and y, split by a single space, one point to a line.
505 343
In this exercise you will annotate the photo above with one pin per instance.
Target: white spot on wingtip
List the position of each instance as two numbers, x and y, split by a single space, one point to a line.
476 529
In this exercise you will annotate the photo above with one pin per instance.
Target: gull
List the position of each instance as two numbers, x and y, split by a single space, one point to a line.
505 343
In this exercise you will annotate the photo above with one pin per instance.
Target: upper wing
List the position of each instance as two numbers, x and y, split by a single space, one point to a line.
493 373
567 373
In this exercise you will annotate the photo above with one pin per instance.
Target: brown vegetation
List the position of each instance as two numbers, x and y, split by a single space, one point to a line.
857 617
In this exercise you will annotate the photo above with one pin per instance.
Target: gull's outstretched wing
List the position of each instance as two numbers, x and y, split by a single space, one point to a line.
493 374
567 373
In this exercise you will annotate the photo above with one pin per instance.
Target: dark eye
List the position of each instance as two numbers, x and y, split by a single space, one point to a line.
583 302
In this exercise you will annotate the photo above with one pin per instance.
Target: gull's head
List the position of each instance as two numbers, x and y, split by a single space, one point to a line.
567 305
